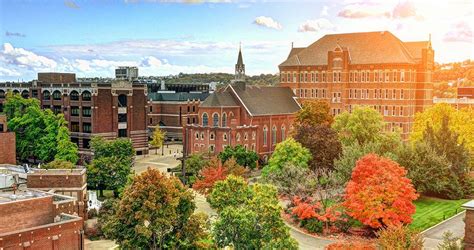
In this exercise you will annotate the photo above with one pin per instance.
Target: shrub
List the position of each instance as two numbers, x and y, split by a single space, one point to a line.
399 237
313 225
92 213
352 245
345 223
450 242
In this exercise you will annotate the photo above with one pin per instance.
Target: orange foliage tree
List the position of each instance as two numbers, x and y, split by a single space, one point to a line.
379 194
216 171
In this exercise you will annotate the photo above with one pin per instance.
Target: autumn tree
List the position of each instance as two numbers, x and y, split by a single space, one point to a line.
156 212
244 157
111 165
288 151
40 134
216 171
400 237
195 162
323 143
58 164
157 138
460 122
314 112
292 180
249 216
379 194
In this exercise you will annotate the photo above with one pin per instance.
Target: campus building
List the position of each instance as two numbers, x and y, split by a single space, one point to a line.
7 143
110 109
371 68
464 98
253 116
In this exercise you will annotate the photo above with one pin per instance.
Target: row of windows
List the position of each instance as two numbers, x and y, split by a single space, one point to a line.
86 111
388 110
215 119
351 76
311 93
86 127
212 147
274 135
212 136
74 95
355 94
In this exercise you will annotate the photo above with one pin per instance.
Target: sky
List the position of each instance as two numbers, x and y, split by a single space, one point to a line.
92 37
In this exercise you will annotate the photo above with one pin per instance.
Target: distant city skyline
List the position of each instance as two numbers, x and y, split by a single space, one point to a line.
91 38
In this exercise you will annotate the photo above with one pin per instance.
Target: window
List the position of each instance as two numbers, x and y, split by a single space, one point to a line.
288 77
253 135
395 74
211 148
312 77
205 120
122 101
121 117
25 94
238 137
215 120
224 120
253 147
362 79
246 136
294 77
74 126
202 135
86 127
367 76
85 143
74 96
387 76
324 77
305 77
376 76
56 95
86 111
283 136
401 111
265 134
74 111
274 135
401 94
224 137
351 76
86 96
380 76
212 136
2 94
122 133
394 94
56 109
196 135
317 77
402 76
301 77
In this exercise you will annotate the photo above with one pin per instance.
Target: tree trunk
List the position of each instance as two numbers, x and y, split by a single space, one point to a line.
101 192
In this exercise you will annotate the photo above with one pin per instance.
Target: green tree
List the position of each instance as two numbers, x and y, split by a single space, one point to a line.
314 113
244 157
322 142
111 165
288 151
58 164
153 213
195 162
230 192
157 138
293 180
39 134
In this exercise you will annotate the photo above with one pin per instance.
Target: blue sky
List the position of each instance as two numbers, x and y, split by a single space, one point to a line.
94 36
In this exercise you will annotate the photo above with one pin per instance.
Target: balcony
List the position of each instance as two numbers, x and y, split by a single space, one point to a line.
122 110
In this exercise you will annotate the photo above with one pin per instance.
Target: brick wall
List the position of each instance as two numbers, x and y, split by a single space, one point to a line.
469 230
55 181
26 213
7 148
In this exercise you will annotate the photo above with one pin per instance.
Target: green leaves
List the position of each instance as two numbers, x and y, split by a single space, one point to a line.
287 152
245 158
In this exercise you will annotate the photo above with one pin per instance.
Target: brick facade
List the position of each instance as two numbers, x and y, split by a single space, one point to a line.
469 226
27 213
7 143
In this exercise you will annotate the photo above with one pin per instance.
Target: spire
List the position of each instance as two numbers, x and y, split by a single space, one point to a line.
240 61
240 66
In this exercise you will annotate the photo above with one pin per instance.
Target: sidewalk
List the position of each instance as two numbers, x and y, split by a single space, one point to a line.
434 235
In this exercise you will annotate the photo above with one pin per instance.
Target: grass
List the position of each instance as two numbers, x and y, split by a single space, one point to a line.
430 211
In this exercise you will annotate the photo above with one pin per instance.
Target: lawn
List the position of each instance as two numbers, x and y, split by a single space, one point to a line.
431 211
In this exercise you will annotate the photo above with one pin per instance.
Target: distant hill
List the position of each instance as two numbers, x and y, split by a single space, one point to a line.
222 78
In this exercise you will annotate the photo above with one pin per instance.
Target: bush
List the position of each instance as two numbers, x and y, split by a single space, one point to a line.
93 232
345 223
399 237
352 245
450 242
92 213
313 225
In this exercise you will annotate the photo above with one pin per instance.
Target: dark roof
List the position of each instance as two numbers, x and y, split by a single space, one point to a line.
177 97
240 61
414 48
257 100
364 48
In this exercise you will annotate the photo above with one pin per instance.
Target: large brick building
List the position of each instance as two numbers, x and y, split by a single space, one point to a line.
372 68
256 117
7 143
110 109
464 98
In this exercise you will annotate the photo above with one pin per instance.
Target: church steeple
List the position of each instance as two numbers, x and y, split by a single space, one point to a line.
240 66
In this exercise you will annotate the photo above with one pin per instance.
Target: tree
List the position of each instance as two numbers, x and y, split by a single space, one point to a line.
322 142
244 157
157 138
154 213
112 164
460 122
293 180
379 194
400 237
39 134
58 164
216 171
314 113
249 219
195 162
288 151
362 126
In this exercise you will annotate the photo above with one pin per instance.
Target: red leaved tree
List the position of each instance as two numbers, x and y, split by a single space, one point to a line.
379 194
209 176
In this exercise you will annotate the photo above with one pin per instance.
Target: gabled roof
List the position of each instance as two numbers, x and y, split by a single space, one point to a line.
255 99
364 48
414 48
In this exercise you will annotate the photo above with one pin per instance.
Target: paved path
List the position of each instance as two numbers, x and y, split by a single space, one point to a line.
434 236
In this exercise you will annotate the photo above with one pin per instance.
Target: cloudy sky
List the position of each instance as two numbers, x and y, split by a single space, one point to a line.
92 37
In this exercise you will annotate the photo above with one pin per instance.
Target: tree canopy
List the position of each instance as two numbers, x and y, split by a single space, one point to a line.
314 113
244 157
288 151
157 138
40 134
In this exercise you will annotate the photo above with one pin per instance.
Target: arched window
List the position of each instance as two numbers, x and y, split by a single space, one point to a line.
16 92
74 96
197 135
265 134
25 94
212 136
215 120
205 120
238 136
202 135
86 96
224 120
274 135
231 114
56 95
246 136
46 95
283 136
122 101
224 137
211 148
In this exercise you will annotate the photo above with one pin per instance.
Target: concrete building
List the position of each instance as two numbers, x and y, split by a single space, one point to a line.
126 73
370 68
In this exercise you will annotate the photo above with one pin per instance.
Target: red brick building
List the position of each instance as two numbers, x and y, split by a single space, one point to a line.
32 219
7 143
371 68
469 226
109 109
464 99
256 117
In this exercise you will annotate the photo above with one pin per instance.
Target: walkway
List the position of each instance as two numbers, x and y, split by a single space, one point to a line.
434 236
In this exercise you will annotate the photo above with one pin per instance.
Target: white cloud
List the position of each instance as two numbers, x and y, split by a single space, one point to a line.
267 22
316 25
362 11
24 58
461 32
404 10
324 11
